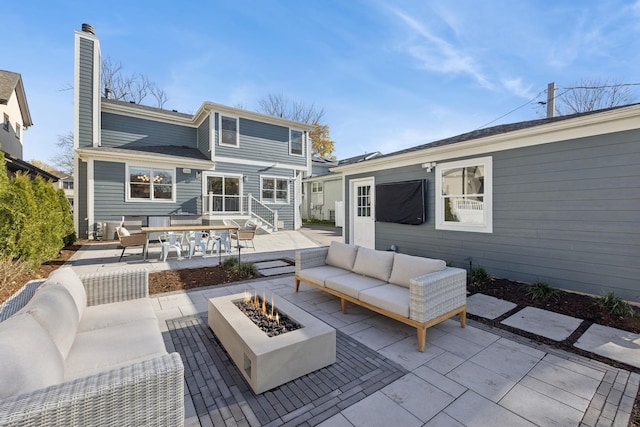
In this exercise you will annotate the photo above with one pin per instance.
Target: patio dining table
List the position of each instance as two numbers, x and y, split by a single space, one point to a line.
184 228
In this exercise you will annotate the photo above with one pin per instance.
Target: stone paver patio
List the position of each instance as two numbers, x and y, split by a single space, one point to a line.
466 377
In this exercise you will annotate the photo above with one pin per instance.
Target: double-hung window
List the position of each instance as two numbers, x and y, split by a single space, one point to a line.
229 131
316 187
150 184
274 189
295 142
464 195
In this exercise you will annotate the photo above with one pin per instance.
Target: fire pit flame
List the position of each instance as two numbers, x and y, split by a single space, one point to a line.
264 310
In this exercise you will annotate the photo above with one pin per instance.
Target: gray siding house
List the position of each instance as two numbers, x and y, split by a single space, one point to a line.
156 166
554 200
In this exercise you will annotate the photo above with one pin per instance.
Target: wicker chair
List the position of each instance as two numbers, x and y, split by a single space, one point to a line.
246 233
128 240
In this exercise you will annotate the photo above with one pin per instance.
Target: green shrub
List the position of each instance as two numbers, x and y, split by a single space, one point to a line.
541 291
615 305
244 269
34 225
480 276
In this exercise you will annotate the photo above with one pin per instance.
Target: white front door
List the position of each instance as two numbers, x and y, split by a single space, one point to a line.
363 227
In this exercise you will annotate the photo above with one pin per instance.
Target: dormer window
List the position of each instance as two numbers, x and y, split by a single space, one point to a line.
229 134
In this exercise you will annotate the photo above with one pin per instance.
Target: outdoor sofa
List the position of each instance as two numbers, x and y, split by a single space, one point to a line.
418 291
87 351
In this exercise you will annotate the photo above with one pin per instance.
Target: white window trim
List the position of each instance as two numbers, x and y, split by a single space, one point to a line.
487 226
237 144
237 176
302 137
274 201
151 168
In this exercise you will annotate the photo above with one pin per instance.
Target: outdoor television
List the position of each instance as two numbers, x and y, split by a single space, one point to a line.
401 202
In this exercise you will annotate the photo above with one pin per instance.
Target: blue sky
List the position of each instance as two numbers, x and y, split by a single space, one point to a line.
389 74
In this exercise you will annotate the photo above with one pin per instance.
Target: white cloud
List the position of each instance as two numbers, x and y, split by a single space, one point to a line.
439 55
518 88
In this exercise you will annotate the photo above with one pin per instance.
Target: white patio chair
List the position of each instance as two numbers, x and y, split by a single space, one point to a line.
220 241
170 241
197 239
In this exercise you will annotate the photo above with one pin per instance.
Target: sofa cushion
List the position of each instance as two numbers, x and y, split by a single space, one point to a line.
72 282
374 263
117 313
108 348
124 232
388 297
29 359
54 308
351 284
406 267
341 255
318 275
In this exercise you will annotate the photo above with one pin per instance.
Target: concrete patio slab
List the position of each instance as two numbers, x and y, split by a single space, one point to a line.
487 306
268 272
544 323
613 343
379 410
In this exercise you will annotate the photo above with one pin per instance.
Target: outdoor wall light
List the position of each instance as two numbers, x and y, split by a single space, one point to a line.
245 178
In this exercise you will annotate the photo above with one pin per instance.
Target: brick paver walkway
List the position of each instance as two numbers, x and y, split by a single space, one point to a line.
221 396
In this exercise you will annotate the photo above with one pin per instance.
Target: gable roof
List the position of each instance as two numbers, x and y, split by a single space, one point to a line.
581 124
10 82
145 111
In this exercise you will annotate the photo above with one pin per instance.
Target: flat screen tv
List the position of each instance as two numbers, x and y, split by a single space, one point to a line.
401 202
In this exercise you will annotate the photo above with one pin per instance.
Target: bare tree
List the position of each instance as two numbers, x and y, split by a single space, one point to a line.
590 95
281 106
63 159
133 88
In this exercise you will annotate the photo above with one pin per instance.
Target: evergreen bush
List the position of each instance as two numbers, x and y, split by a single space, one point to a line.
34 222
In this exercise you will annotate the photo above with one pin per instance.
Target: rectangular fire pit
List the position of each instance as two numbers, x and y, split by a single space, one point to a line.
267 362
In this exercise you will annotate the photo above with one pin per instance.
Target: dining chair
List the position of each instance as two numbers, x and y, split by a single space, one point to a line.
197 239
170 241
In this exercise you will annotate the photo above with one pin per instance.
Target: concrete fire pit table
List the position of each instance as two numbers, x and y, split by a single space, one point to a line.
267 362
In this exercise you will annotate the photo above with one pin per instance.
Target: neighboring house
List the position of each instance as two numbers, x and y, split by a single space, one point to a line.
15 115
322 191
65 182
153 164
554 200
14 112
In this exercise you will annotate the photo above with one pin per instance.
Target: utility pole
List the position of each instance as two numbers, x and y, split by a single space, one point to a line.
551 99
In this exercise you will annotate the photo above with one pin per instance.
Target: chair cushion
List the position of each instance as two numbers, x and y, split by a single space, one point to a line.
117 313
54 308
108 348
374 263
29 360
67 277
406 267
351 284
318 275
341 255
124 232
388 297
